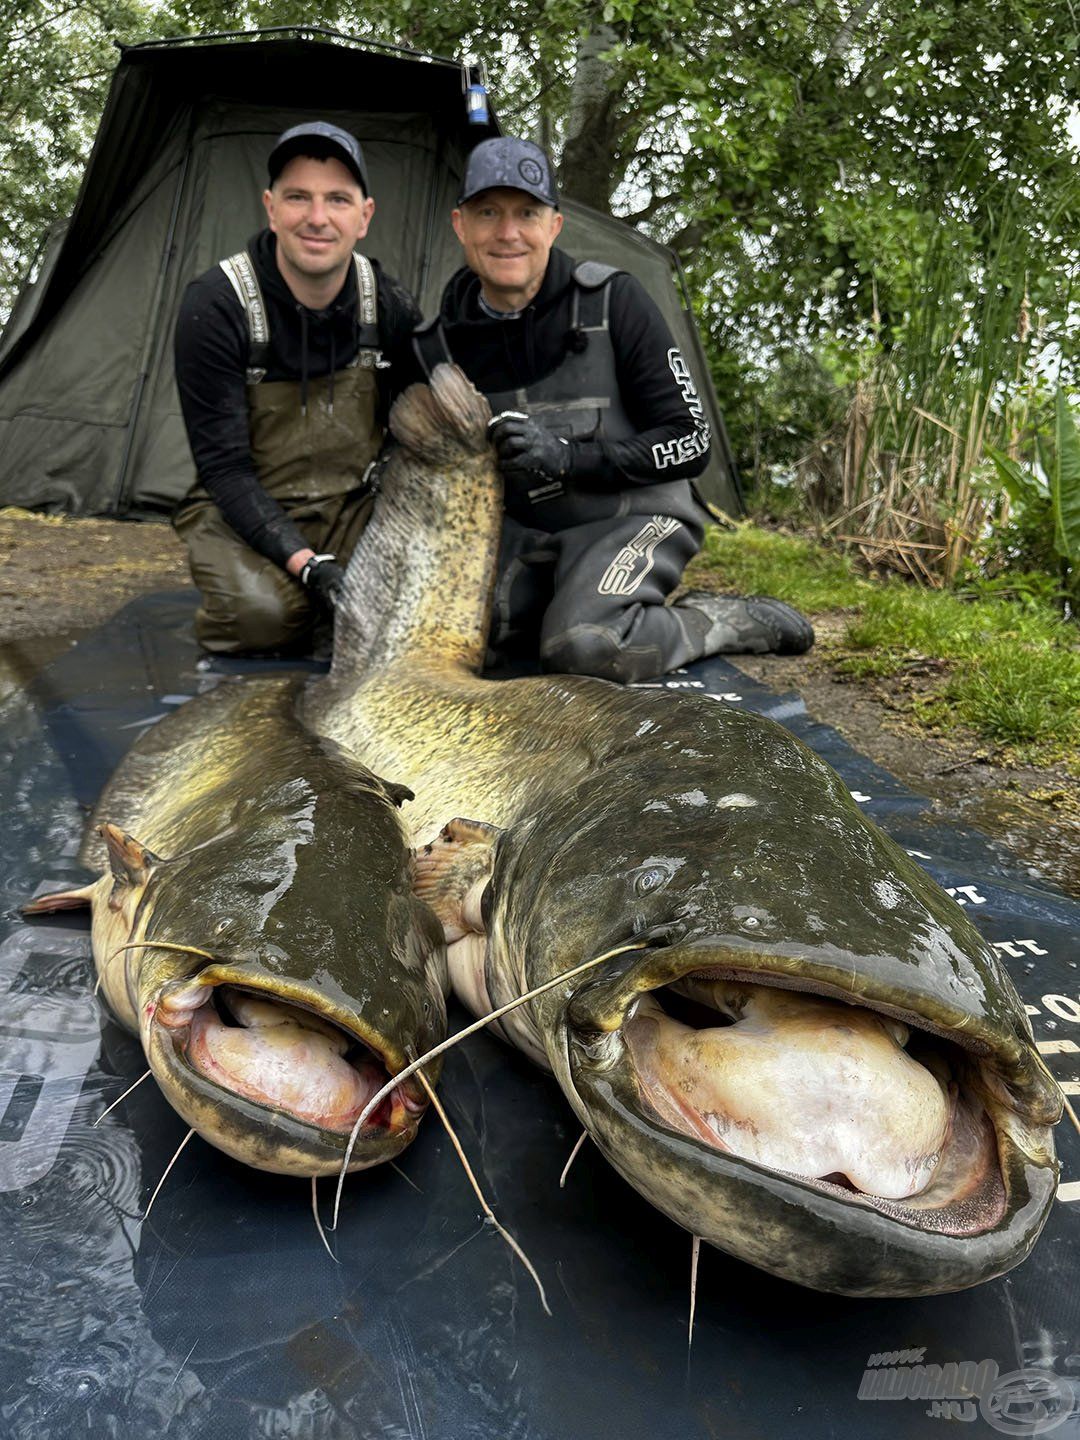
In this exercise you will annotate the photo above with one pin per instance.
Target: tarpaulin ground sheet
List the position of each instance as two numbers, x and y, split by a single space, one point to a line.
221 1315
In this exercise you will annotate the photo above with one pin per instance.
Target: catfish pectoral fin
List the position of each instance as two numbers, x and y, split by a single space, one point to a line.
59 900
451 874
129 860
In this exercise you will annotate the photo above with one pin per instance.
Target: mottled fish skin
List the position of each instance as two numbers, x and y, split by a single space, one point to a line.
708 835
284 864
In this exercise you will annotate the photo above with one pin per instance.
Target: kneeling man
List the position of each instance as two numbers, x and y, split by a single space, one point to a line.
287 357
599 432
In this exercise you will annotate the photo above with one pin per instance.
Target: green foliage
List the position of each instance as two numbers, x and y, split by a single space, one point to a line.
753 561
1013 671
1045 522
798 156
869 199
1022 697
1065 482
56 60
1023 487
904 618
936 388
1022 587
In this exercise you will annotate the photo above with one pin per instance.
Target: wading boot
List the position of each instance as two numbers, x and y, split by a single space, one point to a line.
748 625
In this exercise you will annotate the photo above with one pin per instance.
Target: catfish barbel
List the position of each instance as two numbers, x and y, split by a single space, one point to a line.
810 1057
260 934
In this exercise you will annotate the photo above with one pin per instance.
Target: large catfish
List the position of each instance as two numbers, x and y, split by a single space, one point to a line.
810 1057
261 935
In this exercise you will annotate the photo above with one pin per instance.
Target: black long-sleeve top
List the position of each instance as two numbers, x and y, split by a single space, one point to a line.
657 391
211 354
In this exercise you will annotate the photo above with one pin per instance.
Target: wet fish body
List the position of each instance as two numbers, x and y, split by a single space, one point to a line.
260 934
810 1058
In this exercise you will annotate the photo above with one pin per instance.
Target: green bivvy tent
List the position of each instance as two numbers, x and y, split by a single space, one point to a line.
89 416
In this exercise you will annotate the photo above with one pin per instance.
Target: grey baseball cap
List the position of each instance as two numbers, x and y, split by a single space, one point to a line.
513 164
327 139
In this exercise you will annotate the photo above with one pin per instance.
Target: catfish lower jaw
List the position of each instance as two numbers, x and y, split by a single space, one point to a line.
827 1095
273 1082
975 1171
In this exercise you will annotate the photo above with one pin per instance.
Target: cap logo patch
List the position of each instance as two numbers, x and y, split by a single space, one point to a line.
530 171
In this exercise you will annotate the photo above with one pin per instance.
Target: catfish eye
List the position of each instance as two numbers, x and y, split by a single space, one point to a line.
222 925
651 879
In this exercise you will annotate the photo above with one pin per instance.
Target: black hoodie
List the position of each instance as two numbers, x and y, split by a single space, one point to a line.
654 384
211 355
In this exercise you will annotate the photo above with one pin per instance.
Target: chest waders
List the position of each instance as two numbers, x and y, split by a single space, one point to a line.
311 458
579 400
585 571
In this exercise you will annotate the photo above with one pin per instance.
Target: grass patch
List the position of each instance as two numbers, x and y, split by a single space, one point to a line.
1023 698
750 561
1012 671
932 622
1007 669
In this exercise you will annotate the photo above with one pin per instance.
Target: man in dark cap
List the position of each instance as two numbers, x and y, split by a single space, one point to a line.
287 357
599 431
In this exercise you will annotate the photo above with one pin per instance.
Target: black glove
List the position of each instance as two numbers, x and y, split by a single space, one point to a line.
324 577
526 448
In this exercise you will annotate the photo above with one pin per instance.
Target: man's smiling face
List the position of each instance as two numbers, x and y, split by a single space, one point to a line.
318 212
507 236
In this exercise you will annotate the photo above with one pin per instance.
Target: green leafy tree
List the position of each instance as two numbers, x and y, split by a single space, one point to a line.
802 159
56 60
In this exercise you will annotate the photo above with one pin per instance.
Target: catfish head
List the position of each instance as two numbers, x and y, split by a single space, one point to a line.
810 1057
279 973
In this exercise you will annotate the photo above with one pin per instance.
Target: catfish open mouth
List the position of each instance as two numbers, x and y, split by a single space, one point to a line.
282 1055
840 1097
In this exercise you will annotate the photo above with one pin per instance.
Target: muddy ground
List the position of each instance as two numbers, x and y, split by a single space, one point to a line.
60 578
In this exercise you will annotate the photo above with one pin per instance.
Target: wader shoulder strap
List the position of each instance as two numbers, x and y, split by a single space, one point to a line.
241 276
592 295
367 310
430 347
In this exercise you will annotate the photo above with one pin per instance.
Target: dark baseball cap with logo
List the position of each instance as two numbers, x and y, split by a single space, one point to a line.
506 163
320 139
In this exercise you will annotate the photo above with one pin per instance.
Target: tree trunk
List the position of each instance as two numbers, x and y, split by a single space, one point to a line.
590 168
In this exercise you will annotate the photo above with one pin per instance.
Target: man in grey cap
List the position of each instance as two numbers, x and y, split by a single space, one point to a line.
288 355
599 431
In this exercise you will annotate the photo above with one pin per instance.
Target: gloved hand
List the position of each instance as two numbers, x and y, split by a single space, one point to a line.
324 578
526 448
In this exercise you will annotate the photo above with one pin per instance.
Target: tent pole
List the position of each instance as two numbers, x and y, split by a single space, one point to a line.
429 235
152 330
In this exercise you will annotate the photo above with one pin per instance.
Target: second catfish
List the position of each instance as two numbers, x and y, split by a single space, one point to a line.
809 1057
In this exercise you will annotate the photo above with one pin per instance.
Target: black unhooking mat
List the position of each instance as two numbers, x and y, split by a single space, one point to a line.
222 1316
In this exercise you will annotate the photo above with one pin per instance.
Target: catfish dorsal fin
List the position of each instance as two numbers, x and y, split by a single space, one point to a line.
129 860
396 793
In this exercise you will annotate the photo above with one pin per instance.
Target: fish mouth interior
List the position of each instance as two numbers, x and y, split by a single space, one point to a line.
284 1056
840 1097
